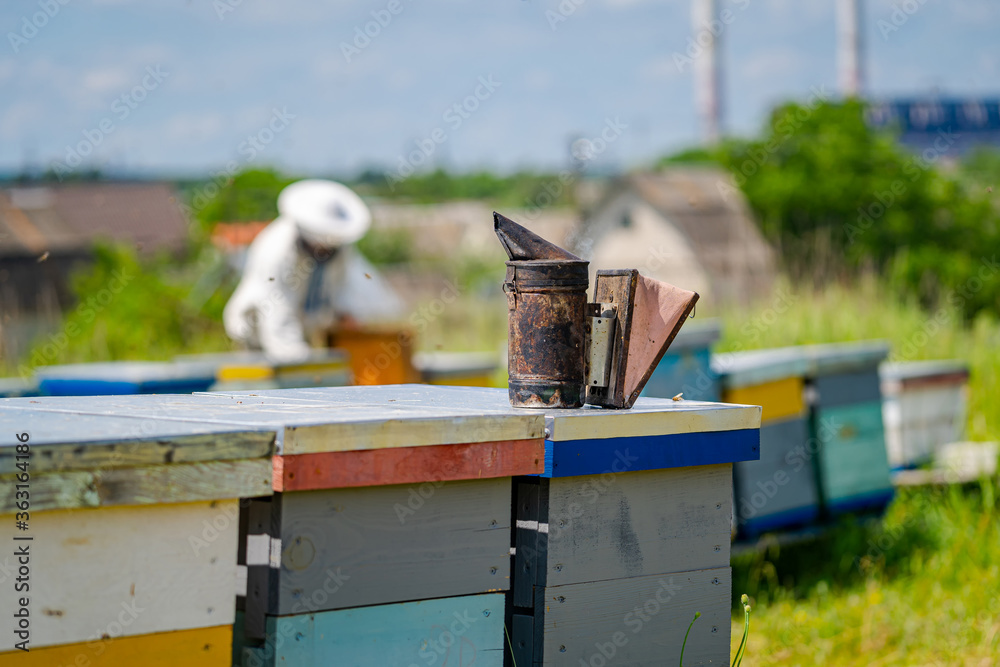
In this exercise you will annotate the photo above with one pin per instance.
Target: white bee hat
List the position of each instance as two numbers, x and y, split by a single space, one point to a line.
326 213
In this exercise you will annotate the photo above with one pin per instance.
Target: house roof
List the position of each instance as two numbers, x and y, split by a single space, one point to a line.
72 217
713 216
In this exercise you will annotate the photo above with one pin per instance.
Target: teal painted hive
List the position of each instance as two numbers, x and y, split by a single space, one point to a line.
686 365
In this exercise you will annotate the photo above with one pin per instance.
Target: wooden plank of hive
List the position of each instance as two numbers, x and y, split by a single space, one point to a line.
329 419
144 485
409 465
848 388
779 399
638 621
462 630
651 452
853 463
615 526
69 441
352 547
128 571
201 647
780 489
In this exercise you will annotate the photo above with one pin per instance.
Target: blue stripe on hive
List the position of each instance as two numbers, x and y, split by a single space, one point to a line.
875 500
569 458
783 520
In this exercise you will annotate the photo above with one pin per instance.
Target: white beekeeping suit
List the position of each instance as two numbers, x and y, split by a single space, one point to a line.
302 274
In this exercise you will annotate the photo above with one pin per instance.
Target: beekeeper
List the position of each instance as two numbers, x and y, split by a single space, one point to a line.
303 276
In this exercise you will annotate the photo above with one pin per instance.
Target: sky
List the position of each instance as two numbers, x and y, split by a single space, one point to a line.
194 87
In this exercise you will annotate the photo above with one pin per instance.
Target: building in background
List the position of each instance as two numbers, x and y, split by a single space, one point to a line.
680 226
47 232
949 126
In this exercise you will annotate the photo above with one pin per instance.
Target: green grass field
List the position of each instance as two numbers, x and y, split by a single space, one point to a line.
921 586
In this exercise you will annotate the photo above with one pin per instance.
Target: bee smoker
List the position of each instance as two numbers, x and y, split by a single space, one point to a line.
563 351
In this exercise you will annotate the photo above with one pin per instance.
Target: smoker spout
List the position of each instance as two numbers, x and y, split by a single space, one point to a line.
522 244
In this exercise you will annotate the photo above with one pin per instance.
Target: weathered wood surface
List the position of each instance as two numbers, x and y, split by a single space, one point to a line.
780 489
330 419
779 399
143 485
66 441
591 457
637 523
202 647
660 311
128 571
386 544
848 388
529 553
649 416
639 621
853 460
451 631
408 465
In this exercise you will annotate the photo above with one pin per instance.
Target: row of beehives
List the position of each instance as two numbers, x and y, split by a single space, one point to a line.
371 359
837 421
404 525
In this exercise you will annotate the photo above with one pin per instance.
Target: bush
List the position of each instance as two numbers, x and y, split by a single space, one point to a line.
835 196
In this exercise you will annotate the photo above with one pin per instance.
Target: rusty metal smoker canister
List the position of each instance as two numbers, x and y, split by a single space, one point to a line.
546 290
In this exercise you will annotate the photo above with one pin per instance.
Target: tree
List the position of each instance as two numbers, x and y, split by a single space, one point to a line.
834 195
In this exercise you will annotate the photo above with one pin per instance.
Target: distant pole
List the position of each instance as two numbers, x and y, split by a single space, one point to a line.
849 47
707 77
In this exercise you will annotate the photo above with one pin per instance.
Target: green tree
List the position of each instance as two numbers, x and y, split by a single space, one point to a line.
834 196
250 195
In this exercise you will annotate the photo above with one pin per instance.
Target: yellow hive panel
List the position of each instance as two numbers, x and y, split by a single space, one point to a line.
779 399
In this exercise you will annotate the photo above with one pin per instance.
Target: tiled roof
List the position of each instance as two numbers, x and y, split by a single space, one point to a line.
72 217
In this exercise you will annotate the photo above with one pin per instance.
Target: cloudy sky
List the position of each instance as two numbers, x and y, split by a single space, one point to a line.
189 86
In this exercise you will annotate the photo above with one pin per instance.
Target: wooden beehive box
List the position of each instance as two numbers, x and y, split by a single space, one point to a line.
686 365
388 537
780 490
132 533
847 425
626 534
923 408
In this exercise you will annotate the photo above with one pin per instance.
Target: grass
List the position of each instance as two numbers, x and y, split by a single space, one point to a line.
920 586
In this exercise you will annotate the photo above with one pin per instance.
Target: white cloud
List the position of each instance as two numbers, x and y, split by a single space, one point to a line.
106 79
